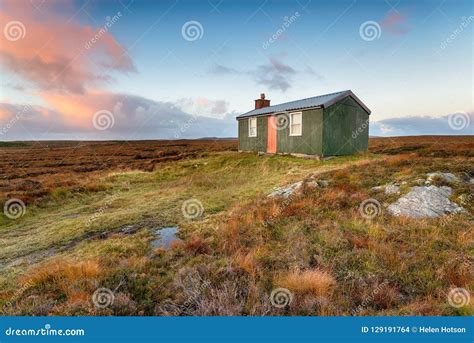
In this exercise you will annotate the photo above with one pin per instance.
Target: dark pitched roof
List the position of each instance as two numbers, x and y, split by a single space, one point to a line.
320 101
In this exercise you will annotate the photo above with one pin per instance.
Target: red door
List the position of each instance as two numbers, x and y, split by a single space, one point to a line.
272 135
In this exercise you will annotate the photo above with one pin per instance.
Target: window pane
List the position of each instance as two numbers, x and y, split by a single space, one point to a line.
253 123
296 118
296 129
252 127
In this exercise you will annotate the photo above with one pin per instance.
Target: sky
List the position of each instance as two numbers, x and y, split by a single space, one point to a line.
131 69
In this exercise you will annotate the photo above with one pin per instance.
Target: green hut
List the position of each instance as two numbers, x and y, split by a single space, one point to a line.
324 125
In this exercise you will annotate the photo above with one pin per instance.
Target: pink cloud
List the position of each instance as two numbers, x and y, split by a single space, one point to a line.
73 116
53 53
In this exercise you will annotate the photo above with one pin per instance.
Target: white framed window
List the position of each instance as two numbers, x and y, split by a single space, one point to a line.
252 127
296 124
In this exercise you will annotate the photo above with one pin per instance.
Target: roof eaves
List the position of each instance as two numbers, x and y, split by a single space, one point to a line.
249 114
340 95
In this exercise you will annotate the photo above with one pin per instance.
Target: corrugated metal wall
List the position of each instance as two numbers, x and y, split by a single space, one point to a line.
258 143
346 128
310 142
341 129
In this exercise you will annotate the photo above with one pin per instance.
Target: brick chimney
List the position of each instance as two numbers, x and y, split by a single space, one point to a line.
262 102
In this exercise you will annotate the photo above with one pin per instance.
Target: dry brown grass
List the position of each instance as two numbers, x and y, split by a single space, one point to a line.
400 160
246 262
62 271
76 281
315 282
317 245
434 146
35 170
197 245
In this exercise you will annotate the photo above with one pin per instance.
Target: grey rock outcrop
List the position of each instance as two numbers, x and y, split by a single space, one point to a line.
425 202
286 191
388 189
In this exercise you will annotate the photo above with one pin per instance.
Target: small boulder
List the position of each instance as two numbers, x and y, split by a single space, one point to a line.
425 202
312 184
287 191
323 183
378 188
419 182
392 189
447 177
128 229
388 189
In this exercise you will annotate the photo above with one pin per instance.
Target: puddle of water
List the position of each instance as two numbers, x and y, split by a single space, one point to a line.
164 236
